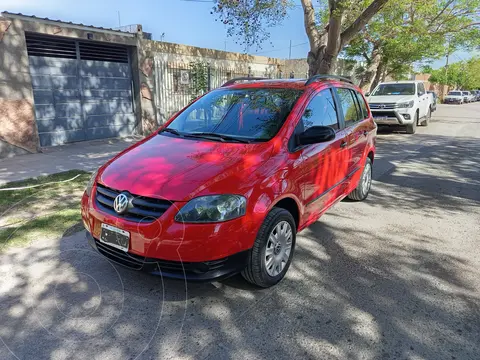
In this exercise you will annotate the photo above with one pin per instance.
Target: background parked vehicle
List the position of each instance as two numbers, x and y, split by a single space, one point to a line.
401 103
434 101
454 97
477 95
468 97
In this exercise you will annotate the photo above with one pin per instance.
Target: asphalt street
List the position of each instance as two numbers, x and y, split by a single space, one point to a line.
394 277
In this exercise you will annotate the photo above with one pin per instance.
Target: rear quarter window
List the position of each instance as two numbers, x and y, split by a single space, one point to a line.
363 105
349 105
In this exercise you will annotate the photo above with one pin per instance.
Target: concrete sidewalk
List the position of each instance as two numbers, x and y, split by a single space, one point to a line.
86 155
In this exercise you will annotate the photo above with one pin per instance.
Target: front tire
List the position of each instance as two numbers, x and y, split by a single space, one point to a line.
363 188
273 249
411 128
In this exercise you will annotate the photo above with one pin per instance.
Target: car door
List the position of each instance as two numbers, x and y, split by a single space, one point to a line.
423 99
357 129
323 165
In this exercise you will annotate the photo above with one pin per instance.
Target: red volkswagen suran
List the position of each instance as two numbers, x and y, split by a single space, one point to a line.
225 185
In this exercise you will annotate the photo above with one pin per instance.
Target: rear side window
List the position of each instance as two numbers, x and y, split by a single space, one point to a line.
421 89
321 111
363 106
349 106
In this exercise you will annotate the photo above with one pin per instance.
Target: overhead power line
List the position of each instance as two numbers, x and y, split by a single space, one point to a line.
211 1
285 48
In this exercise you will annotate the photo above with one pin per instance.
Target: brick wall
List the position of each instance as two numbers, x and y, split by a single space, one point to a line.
17 118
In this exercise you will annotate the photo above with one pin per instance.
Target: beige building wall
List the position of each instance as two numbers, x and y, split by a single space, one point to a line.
441 90
17 119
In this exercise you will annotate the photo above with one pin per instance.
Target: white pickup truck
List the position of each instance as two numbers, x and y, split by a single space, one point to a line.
401 103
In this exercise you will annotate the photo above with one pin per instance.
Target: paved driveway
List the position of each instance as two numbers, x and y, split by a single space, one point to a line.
395 277
84 155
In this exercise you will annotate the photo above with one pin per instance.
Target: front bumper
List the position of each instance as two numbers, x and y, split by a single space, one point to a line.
452 101
190 271
403 116
170 240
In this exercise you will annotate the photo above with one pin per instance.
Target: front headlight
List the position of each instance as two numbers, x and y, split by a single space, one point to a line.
214 208
90 183
406 105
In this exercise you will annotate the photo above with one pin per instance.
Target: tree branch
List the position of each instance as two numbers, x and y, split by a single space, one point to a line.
310 26
361 21
365 55
447 4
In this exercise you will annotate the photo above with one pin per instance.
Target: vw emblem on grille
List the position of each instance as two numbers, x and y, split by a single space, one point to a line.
120 204
382 106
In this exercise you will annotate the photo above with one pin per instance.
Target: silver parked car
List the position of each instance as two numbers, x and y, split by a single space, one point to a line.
468 97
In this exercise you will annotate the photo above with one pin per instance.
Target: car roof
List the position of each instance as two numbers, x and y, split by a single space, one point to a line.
402 82
300 84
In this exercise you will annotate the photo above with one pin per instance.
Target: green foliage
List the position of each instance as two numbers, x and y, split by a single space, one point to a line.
248 21
415 30
199 77
462 75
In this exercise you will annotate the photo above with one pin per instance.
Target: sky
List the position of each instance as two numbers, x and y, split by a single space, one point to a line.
183 22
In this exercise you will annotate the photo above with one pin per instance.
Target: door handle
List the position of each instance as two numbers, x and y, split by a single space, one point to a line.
343 144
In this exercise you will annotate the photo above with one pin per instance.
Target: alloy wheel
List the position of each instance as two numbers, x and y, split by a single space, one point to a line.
279 247
367 178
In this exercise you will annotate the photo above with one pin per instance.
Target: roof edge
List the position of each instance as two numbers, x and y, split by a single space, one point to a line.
72 25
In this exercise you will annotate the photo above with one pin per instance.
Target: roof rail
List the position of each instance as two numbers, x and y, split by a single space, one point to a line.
327 77
234 80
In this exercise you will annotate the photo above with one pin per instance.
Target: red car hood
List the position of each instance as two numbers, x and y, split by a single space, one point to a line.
180 169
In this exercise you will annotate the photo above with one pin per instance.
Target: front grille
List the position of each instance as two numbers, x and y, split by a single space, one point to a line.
389 114
142 208
137 262
383 106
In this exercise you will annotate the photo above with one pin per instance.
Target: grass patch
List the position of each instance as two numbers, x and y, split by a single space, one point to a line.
46 211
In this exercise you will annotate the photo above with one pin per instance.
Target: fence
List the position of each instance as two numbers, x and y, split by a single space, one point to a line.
178 83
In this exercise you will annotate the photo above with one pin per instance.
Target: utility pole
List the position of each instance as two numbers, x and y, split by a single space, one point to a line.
119 23
446 69
290 51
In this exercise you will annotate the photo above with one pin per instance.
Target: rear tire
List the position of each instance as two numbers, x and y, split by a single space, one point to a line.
363 188
411 128
272 252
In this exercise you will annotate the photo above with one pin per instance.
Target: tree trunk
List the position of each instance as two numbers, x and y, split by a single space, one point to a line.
371 70
379 76
320 63
325 46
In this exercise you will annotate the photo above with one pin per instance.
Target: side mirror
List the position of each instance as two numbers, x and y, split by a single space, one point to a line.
316 134
367 94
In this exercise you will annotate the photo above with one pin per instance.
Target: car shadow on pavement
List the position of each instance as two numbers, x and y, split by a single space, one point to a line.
444 175
338 301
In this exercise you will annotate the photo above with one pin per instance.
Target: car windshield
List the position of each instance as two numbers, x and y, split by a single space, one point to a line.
394 89
466 93
454 93
255 114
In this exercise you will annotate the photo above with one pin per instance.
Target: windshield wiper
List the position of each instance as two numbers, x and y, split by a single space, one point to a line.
171 131
209 135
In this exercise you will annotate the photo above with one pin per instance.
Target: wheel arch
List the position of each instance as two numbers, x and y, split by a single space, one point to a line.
290 204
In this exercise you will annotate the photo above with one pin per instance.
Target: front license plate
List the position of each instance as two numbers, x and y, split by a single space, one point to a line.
381 118
115 237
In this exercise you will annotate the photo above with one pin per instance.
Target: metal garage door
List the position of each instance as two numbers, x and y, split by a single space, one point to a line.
82 90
